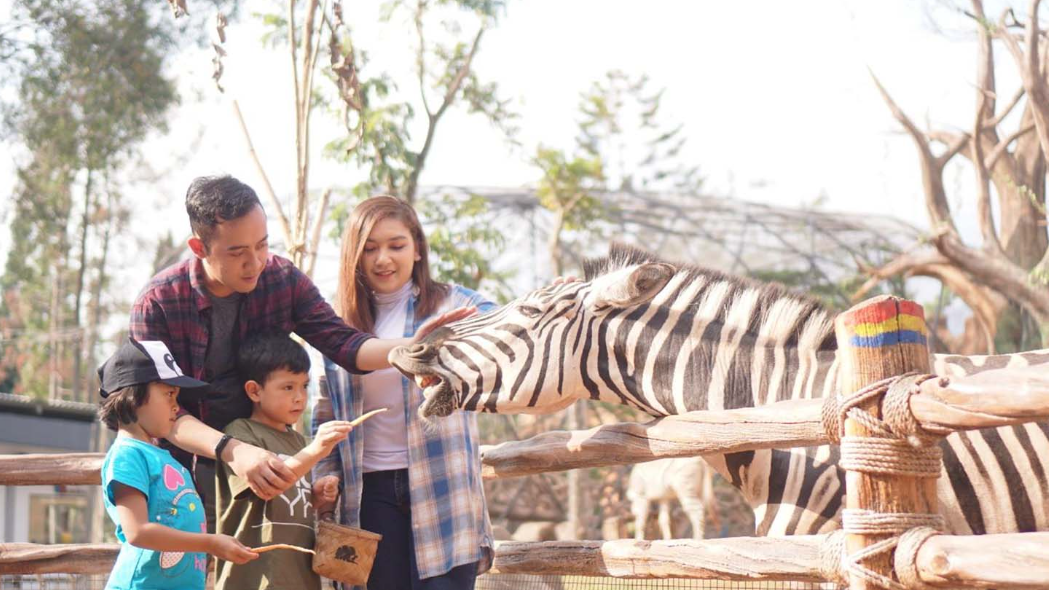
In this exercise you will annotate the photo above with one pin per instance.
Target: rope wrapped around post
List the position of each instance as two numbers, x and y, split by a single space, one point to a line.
899 446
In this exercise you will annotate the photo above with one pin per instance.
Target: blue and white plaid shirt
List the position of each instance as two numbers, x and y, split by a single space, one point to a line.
449 515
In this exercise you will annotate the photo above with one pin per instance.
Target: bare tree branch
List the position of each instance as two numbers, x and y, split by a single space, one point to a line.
1033 70
420 56
1003 145
449 97
1030 72
272 196
983 185
932 167
1008 109
318 225
985 303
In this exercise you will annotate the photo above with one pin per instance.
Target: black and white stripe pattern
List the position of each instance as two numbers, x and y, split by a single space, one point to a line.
669 340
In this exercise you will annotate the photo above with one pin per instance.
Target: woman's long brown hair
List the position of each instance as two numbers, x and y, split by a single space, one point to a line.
354 300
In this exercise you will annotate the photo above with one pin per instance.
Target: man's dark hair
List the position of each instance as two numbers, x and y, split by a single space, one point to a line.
121 406
211 200
262 355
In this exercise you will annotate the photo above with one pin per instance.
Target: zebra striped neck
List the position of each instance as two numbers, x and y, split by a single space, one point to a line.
705 342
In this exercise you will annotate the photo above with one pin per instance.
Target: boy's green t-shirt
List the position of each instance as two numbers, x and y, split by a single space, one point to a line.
288 518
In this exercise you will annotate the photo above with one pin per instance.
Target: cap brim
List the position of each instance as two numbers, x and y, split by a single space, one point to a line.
184 382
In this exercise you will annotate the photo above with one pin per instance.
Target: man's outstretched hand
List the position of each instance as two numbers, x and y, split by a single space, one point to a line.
266 473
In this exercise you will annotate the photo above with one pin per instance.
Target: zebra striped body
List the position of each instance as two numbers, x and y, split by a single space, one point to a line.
670 340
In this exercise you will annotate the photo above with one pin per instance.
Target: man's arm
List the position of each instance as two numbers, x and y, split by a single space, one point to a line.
263 470
317 324
265 473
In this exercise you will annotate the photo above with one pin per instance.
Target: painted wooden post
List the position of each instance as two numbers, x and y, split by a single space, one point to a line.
880 338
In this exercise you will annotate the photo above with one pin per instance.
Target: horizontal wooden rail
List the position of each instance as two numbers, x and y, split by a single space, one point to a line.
31 558
1017 561
984 400
58 469
784 424
988 399
739 558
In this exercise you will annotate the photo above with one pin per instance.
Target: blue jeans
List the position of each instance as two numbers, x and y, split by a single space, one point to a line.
386 509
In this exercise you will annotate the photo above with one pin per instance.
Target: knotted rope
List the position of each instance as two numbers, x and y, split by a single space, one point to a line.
898 446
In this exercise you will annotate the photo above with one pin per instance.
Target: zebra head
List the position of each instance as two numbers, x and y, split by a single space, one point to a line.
526 357
663 338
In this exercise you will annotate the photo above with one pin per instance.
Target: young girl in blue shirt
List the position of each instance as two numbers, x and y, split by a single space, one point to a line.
149 496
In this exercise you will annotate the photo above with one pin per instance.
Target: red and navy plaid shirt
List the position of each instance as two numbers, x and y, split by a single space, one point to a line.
175 308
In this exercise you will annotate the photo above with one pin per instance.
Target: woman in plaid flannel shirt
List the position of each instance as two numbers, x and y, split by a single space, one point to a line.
419 485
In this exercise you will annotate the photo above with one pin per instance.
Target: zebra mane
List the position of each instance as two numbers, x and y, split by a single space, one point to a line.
809 314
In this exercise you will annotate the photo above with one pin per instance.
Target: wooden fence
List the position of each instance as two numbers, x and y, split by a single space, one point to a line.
885 542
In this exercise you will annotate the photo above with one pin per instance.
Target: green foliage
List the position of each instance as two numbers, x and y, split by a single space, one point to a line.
461 240
460 234
621 126
90 88
384 150
568 186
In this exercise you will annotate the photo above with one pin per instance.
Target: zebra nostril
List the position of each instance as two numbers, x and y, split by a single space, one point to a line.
420 349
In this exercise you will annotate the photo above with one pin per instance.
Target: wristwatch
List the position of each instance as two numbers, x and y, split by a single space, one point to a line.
222 446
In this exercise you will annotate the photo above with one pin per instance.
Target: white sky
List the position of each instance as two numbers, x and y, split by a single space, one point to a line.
775 96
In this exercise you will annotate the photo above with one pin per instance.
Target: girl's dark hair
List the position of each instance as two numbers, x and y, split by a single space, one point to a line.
262 355
121 407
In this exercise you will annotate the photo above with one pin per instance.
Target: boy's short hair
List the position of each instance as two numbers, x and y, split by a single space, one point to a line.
262 355
121 406
210 200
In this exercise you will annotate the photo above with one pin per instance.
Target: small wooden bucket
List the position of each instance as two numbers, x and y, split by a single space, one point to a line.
343 553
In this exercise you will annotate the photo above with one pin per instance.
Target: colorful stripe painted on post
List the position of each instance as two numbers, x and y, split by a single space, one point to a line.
886 325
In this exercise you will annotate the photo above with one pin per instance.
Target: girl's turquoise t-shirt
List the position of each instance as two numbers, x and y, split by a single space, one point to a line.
172 501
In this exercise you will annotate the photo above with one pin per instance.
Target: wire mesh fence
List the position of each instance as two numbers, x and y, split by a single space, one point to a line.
545 582
53 582
485 582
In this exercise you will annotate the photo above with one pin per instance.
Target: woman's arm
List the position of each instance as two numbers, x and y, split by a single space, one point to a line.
133 514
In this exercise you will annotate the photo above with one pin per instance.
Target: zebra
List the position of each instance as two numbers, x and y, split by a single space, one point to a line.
689 480
669 339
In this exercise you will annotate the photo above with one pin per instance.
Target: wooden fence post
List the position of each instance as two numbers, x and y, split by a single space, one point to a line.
880 338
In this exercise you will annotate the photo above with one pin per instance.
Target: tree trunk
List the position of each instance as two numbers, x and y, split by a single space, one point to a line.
1020 183
557 263
91 333
79 290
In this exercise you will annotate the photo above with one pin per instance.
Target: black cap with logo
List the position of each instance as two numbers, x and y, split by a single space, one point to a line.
142 362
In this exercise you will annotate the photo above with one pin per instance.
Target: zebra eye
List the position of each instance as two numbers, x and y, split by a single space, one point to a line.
530 311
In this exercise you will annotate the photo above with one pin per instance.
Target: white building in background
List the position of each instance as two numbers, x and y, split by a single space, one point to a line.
53 513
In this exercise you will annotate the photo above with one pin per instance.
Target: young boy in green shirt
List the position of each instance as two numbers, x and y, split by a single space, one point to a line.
275 370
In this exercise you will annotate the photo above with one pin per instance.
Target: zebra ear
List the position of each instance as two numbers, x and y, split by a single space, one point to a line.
630 286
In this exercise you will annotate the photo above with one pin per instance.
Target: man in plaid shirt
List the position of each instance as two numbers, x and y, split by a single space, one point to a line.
230 290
